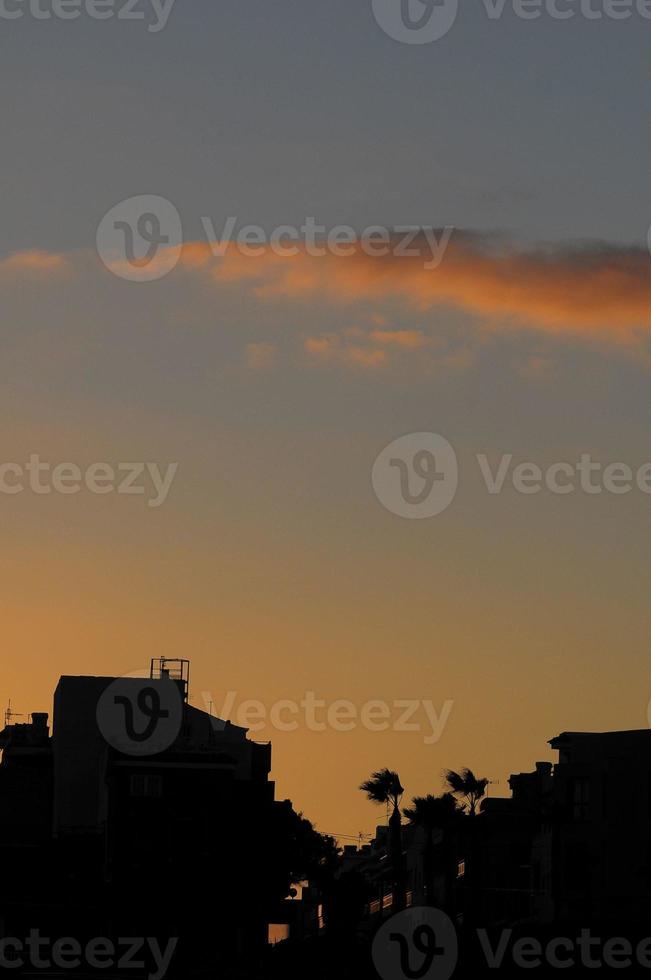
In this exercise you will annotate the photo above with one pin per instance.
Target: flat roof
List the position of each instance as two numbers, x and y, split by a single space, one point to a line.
627 733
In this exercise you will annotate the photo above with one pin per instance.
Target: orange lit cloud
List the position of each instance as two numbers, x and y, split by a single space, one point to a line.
335 349
402 339
596 291
36 263
372 349
600 292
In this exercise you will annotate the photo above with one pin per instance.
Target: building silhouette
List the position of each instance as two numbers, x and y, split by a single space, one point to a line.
570 846
172 842
140 815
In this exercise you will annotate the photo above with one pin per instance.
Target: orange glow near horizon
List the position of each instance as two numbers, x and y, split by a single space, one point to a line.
272 566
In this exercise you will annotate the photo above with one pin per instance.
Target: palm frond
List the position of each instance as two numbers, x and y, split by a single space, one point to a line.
432 811
383 787
456 780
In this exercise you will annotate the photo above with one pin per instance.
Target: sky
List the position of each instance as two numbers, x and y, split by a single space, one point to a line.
271 384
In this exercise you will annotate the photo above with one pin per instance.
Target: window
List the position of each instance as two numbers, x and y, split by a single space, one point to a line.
146 786
461 869
278 933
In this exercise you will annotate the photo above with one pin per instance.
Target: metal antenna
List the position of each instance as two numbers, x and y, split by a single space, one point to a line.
9 714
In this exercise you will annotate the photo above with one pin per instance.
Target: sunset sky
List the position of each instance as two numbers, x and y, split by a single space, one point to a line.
275 383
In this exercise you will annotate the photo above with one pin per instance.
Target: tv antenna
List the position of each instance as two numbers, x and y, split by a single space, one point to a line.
9 714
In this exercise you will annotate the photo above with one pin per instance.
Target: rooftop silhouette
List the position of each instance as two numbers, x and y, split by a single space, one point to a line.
141 815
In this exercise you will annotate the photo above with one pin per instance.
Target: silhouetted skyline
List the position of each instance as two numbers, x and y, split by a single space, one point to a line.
112 826
325 464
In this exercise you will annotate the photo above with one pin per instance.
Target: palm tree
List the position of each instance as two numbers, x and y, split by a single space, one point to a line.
431 813
384 787
467 787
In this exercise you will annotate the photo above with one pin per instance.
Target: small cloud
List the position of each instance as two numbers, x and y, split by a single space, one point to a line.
260 356
536 367
366 357
354 347
321 346
35 262
378 320
331 348
405 339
